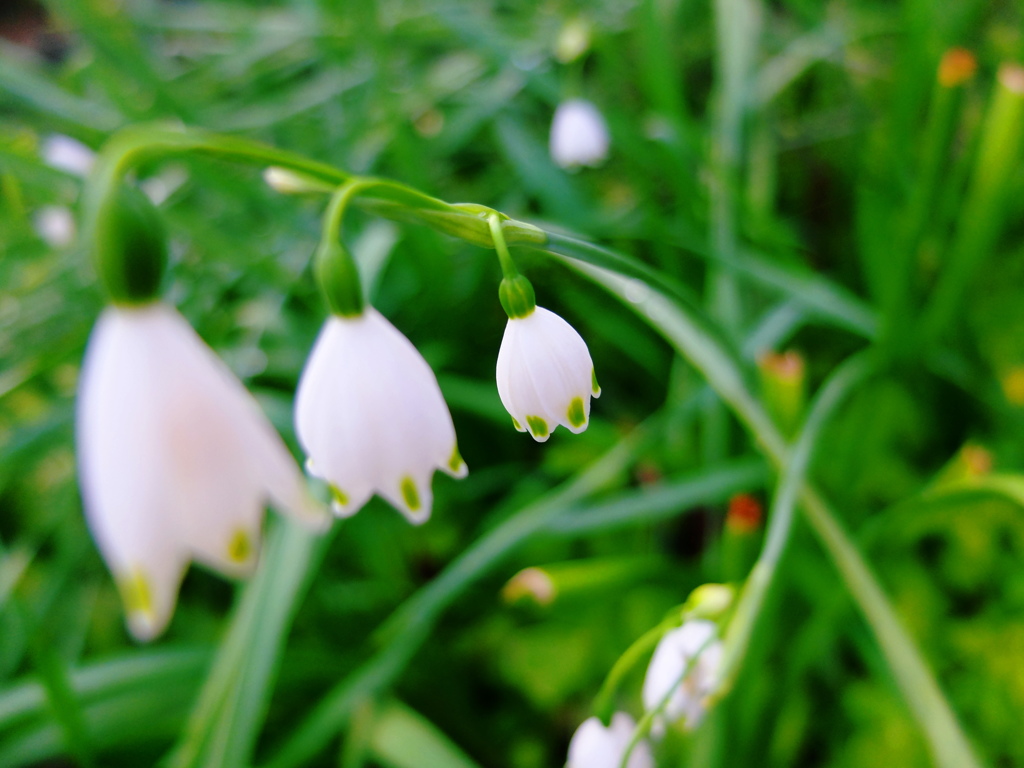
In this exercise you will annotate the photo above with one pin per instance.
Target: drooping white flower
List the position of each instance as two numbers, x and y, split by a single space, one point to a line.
545 374
595 746
176 460
371 417
579 134
695 649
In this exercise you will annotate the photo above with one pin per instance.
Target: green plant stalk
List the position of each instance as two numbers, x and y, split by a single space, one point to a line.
984 209
839 385
737 26
226 720
135 144
948 743
64 703
26 701
604 702
938 134
737 39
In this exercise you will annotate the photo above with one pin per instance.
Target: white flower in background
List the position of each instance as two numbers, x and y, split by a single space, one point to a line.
55 224
579 135
176 460
371 417
695 649
67 154
595 746
545 374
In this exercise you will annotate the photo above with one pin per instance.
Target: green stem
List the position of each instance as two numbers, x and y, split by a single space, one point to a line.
604 703
227 717
508 267
339 203
839 385
135 144
984 209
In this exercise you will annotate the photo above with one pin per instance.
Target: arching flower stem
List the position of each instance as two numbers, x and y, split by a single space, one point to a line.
508 266
516 292
604 703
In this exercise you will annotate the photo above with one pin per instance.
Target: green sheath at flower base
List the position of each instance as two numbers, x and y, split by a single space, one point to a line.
130 248
338 278
517 297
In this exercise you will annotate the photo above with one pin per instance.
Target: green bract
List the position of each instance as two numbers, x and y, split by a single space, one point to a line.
517 297
338 279
131 248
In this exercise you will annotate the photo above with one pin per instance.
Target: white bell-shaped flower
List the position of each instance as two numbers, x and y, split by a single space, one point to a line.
684 663
595 746
545 374
579 134
371 418
176 460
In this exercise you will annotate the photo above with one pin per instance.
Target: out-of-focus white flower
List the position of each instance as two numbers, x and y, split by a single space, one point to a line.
282 180
289 182
695 649
545 374
595 746
176 460
371 417
67 154
55 224
160 187
579 135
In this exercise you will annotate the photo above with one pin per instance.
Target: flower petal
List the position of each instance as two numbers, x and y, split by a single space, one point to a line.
545 374
371 417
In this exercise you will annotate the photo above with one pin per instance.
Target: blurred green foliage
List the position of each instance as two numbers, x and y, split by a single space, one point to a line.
795 164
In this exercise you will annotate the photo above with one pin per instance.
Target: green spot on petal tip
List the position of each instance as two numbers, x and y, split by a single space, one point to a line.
455 463
136 593
338 496
594 386
240 547
576 414
517 425
538 427
410 494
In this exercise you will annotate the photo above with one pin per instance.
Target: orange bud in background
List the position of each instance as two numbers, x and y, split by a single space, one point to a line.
958 65
745 514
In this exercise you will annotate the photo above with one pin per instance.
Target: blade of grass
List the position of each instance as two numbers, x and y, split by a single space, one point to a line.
839 385
141 670
662 501
228 715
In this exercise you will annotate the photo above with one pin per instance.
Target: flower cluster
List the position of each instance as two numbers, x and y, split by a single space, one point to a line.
675 690
177 461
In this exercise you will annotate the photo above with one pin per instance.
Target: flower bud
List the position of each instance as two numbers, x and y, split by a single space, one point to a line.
784 384
131 248
338 278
